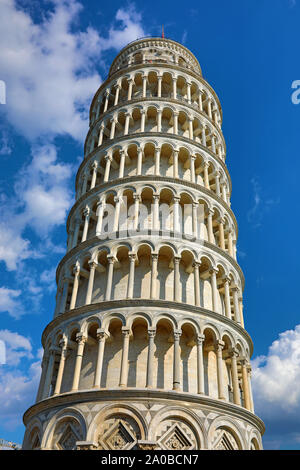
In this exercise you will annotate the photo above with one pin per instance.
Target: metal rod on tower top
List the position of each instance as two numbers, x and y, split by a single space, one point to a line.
162 32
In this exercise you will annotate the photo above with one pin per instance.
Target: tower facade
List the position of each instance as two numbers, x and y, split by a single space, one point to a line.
147 348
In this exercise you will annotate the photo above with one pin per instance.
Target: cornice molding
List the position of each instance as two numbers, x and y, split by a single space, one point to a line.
128 394
179 307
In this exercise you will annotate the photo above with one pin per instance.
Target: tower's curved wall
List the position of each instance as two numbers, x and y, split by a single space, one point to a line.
147 348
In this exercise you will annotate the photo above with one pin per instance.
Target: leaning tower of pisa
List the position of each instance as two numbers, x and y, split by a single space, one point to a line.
147 348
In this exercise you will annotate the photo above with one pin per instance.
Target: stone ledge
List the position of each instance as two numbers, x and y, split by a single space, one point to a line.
117 394
144 303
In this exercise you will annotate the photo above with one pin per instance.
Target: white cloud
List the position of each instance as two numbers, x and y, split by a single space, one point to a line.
10 302
276 386
17 391
50 67
16 347
261 205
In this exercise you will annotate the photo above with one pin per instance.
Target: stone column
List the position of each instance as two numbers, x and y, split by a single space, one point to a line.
139 161
64 297
155 223
100 138
203 136
107 91
175 126
127 119
130 86
94 175
44 367
80 339
206 178
176 225
236 307
200 365
176 361
209 107
191 130
175 163
86 214
117 214
76 231
234 374
224 195
189 98
144 77
118 87
150 359
124 361
192 166
101 336
100 210
132 258
76 272
111 261
108 160
153 294
174 80
245 382
214 288
136 198
122 163
176 279
217 177
63 345
213 144
200 100
219 347
195 219
143 120
157 161
227 297
49 374
196 265
88 299
221 234
159 114
211 237
159 80
113 128
84 184
241 311
230 247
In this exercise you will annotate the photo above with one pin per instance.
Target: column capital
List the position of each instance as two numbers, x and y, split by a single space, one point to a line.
151 332
86 211
219 345
196 263
132 256
92 263
200 338
80 338
156 197
177 334
213 270
108 157
125 330
63 343
154 256
76 269
177 259
107 92
136 197
95 164
233 352
111 259
101 335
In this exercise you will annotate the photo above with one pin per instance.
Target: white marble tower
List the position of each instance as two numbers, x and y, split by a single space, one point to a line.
147 348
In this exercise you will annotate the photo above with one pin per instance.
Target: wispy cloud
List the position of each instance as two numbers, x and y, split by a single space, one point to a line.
261 204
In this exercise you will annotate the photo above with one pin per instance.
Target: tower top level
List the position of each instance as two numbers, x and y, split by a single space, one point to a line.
155 51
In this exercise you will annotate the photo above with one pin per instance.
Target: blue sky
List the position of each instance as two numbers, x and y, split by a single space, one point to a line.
54 55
